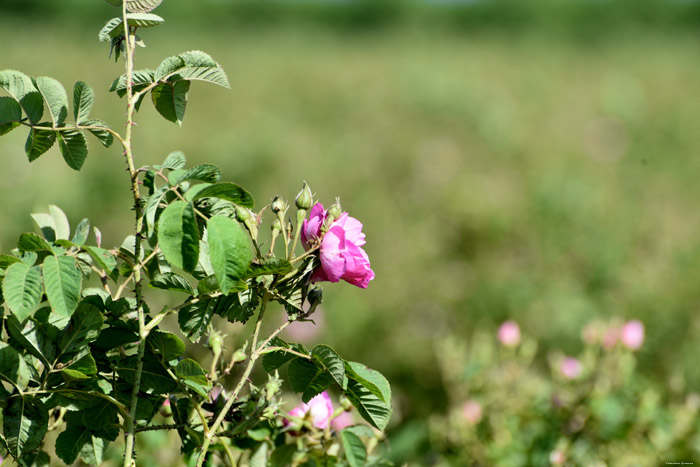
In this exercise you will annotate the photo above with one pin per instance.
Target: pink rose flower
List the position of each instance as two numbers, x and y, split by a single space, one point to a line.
341 254
570 368
343 420
509 334
632 334
472 412
319 410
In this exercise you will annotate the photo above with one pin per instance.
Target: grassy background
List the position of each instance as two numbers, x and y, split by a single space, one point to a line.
523 160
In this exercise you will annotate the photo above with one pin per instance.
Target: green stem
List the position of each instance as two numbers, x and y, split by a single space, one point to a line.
130 34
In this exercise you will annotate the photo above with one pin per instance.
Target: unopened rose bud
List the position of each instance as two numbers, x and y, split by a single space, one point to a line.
243 214
249 220
278 205
335 211
215 342
304 199
165 409
345 403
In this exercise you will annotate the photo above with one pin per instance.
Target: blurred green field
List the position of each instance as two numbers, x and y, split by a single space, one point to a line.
524 175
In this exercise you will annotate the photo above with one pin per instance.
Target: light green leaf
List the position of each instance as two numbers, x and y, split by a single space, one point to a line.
175 160
228 191
178 235
355 451
172 281
84 327
10 110
200 66
111 29
372 379
168 66
81 232
104 136
201 173
55 97
229 251
140 80
308 378
152 207
22 289
25 421
32 242
13 368
170 100
60 221
103 258
63 282
259 457
92 451
38 142
332 361
194 376
47 225
143 20
369 392
142 6
73 148
21 88
83 100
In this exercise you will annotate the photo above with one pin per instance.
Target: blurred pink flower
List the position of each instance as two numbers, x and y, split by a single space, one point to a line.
557 457
509 333
570 368
341 254
319 409
590 334
305 331
633 334
610 337
472 412
343 420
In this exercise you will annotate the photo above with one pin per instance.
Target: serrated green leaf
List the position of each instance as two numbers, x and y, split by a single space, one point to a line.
237 307
83 100
354 448
283 455
22 289
81 232
60 221
372 379
202 67
172 281
195 318
73 148
47 225
170 100
86 365
25 421
229 192
32 242
38 142
63 282
70 442
166 345
10 110
178 235
194 376
13 368
332 361
229 251
269 266
142 6
274 360
8 260
111 29
143 20
21 88
5 128
111 338
104 259
104 136
175 160
33 338
168 66
201 173
372 408
84 327
55 97
93 450
152 206
153 376
140 80
308 378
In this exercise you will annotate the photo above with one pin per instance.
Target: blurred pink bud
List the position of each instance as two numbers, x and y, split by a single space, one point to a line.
633 334
509 334
611 336
472 412
343 420
320 410
570 368
590 334
166 403
557 457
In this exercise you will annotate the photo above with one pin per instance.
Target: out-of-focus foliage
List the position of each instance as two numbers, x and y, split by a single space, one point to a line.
528 160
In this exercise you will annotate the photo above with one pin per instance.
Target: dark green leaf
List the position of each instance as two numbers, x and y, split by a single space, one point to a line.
237 307
168 346
195 318
152 207
104 136
63 282
371 379
86 365
10 110
172 281
111 338
283 455
55 97
8 260
32 242
38 142
140 80
13 368
22 289
178 235
33 338
25 421
229 251
168 66
194 376
332 361
73 148
70 442
170 100
308 378
21 88
111 29
269 266
373 409
201 173
274 360
5 128
355 451
153 376
228 191
84 327
83 100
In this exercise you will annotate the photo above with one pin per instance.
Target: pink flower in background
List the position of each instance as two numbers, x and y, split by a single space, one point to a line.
305 331
341 254
319 409
610 337
557 457
509 334
570 368
472 412
343 420
632 334
590 334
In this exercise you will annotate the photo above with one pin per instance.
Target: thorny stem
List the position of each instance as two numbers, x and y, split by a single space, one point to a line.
130 34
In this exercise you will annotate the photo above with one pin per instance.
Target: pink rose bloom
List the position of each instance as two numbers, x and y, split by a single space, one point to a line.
472 412
319 410
509 334
341 254
632 334
570 368
343 420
